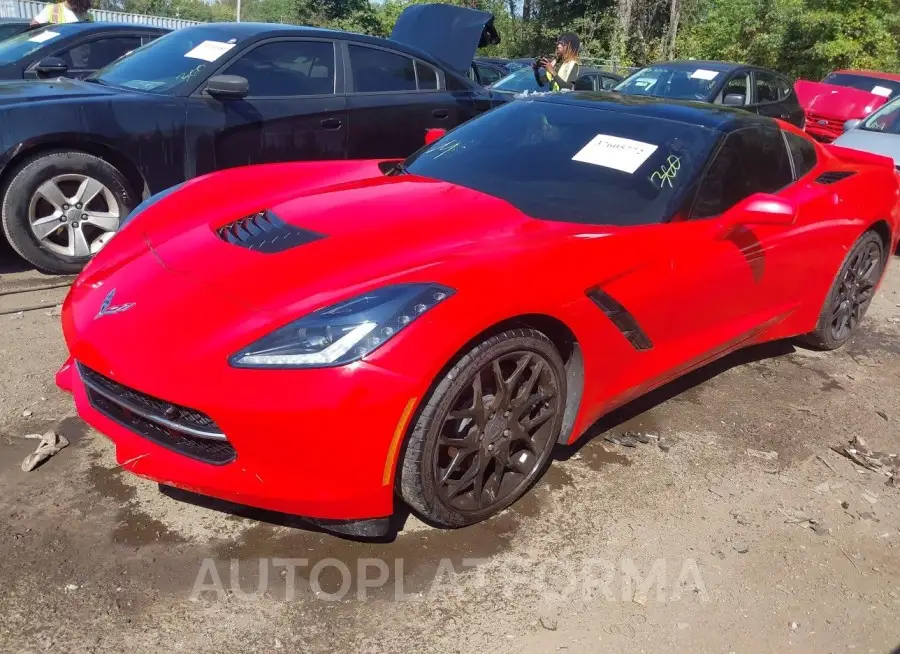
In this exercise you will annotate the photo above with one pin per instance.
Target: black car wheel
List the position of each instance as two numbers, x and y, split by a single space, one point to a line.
62 207
850 295
487 431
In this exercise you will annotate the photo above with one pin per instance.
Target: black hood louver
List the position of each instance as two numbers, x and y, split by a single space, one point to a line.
833 176
265 232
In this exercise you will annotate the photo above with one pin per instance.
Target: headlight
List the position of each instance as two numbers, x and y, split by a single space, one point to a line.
343 332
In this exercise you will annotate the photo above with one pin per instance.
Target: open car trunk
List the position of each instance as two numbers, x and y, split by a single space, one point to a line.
446 32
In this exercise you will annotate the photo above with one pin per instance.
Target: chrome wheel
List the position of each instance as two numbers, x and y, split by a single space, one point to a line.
498 433
73 215
855 291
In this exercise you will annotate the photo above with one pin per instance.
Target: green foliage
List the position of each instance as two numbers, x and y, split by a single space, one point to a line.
804 38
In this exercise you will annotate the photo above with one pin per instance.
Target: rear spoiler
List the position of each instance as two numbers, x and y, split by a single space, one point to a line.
849 155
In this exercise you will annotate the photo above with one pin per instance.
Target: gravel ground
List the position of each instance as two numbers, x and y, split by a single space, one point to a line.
743 532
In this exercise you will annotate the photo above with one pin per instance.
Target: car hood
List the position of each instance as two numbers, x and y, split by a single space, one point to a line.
839 103
16 92
875 142
359 228
451 34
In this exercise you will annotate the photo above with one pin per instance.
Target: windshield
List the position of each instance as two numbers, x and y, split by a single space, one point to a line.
883 87
20 46
669 82
886 119
518 81
572 163
170 61
8 29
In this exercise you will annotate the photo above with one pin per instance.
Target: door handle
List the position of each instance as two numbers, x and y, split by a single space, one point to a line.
331 123
440 113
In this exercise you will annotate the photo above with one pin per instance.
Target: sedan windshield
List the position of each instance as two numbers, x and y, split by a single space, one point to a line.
572 163
20 46
884 87
169 62
678 83
886 119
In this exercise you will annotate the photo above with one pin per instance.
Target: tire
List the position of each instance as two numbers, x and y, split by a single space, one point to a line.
60 252
527 361
853 287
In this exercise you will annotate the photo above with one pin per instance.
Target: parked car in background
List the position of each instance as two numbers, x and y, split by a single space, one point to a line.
78 156
879 133
12 26
487 71
524 81
755 89
843 95
70 50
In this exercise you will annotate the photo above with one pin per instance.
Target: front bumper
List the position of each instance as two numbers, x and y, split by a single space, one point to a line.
321 444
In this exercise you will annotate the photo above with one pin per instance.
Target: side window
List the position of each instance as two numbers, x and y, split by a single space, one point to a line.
379 71
471 74
607 83
784 88
766 87
737 85
584 83
96 54
751 160
802 152
427 77
489 75
287 68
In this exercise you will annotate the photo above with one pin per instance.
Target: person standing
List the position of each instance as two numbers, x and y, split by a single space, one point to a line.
68 11
562 72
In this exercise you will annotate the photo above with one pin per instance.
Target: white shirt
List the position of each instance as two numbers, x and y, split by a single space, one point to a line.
47 13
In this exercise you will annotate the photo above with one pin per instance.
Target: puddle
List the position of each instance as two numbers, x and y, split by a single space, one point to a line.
135 529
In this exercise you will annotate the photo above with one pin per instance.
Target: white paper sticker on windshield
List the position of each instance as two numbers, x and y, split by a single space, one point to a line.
701 73
615 152
209 50
883 91
43 36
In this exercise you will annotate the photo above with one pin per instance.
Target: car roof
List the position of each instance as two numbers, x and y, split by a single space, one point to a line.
870 73
720 66
14 20
702 114
90 26
259 30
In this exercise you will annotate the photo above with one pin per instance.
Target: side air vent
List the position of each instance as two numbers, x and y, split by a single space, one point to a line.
833 176
265 232
620 317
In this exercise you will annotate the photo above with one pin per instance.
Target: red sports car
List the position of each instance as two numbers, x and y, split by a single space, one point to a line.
325 339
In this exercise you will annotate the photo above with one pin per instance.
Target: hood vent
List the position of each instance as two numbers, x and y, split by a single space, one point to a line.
265 232
833 176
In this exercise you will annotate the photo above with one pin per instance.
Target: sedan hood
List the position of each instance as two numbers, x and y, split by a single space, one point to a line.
336 226
41 90
838 103
451 34
875 142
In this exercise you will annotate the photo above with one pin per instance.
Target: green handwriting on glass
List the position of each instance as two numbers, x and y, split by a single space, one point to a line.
667 172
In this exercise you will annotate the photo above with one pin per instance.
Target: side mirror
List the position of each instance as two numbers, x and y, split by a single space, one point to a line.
228 87
734 100
763 209
433 134
853 123
51 66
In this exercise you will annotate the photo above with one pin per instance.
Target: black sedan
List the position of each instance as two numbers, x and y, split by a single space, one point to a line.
70 50
755 89
77 156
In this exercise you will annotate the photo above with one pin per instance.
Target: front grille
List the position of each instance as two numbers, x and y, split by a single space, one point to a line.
823 126
265 232
175 427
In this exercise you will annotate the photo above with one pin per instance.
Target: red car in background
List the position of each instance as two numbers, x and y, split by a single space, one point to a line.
843 95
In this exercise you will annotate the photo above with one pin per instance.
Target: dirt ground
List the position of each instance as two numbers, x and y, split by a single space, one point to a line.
744 533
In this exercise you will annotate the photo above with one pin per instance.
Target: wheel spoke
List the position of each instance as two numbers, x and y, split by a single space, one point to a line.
108 221
538 420
43 227
88 190
53 194
78 245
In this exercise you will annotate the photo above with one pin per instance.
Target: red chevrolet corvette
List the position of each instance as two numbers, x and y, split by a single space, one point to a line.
325 339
